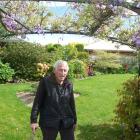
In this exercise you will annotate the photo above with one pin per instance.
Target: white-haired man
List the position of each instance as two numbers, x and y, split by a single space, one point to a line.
54 102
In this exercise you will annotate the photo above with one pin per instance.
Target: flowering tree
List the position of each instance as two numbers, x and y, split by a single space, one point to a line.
97 18
23 17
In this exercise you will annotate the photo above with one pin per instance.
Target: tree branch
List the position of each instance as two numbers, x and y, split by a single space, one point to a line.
113 39
132 7
16 20
93 29
127 5
105 16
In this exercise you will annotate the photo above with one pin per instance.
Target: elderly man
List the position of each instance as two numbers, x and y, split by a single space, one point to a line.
54 102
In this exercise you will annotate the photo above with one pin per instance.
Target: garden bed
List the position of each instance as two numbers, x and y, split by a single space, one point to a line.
28 97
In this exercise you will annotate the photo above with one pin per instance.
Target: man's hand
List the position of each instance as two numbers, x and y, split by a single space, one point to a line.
74 126
34 126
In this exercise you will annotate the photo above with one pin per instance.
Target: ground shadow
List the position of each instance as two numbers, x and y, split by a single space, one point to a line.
99 132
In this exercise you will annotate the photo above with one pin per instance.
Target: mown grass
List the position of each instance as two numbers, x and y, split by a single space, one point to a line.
95 109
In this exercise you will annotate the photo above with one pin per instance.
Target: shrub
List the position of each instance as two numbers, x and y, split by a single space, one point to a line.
70 52
42 69
129 64
84 56
80 47
57 45
23 58
53 48
128 109
77 68
6 72
50 48
71 69
107 62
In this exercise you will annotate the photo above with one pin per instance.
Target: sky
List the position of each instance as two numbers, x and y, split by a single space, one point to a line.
60 8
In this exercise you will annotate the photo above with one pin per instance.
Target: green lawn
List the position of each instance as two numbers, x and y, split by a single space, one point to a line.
95 107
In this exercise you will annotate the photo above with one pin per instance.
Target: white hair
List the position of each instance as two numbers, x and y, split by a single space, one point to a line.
60 62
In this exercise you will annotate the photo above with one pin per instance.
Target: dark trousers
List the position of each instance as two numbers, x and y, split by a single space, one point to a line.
51 133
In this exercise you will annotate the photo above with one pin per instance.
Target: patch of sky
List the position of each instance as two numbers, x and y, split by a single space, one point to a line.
130 21
60 9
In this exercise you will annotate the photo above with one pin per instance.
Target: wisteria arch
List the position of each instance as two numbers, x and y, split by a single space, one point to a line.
15 26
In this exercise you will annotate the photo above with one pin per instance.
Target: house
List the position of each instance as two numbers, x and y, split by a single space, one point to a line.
127 55
108 46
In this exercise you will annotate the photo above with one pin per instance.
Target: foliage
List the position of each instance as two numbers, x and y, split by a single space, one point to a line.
129 64
77 68
31 15
57 45
30 55
126 35
53 47
6 72
70 52
100 18
55 55
3 31
23 58
128 109
71 75
109 26
50 48
42 69
80 47
107 62
83 56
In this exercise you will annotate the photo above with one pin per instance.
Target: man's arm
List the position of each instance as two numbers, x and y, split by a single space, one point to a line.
72 104
37 104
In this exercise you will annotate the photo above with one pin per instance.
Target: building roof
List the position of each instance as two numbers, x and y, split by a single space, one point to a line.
62 39
104 45
90 43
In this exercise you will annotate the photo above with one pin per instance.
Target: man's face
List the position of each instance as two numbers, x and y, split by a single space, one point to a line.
61 72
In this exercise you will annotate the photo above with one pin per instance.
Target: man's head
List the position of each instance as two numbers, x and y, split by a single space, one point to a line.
61 70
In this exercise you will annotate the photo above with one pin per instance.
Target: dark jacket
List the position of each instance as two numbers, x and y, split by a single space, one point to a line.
53 102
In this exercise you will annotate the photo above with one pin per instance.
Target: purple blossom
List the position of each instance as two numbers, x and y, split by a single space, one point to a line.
12 16
117 2
38 29
110 6
9 22
138 42
23 4
120 1
23 30
13 26
138 5
136 39
113 4
101 6
75 5
114 9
